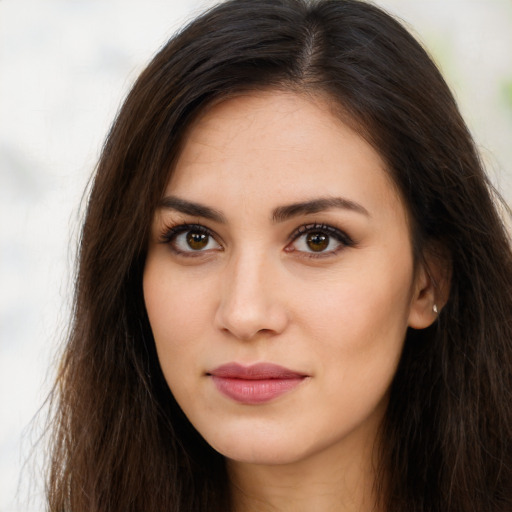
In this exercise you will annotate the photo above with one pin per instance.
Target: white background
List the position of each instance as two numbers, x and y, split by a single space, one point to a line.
65 66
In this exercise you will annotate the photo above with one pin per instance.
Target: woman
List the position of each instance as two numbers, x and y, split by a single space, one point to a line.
294 288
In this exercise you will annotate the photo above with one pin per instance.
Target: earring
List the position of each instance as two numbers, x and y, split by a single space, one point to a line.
434 309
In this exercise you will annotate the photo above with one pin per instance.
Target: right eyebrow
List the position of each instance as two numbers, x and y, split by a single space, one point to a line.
283 213
191 208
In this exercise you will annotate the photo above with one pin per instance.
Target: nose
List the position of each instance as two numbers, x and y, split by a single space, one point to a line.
251 303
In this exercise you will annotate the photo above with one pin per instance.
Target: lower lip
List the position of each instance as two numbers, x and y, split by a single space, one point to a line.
248 391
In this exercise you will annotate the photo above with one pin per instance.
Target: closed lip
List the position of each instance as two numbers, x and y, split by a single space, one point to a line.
258 371
255 384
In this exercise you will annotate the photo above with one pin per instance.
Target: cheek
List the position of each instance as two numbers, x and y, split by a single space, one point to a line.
357 338
176 310
359 319
378 304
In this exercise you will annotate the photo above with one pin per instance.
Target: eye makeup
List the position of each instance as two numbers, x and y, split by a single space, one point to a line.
312 240
190 240
318 240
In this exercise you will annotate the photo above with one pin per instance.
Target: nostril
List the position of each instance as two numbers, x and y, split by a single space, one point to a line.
251 323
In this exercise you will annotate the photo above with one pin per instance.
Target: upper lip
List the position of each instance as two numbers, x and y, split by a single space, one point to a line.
258 371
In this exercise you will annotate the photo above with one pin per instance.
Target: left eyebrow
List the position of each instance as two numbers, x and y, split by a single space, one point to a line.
191 208
283 213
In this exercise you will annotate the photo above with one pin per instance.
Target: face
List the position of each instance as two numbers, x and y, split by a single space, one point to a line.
279 281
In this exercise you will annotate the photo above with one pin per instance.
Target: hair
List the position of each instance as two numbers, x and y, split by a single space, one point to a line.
120 442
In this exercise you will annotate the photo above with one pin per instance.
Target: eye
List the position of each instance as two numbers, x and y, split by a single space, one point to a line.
318 240
190 239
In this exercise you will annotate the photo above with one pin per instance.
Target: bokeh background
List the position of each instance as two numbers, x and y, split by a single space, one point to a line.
65 66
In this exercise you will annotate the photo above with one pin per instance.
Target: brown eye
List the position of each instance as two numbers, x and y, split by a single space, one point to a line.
317 242
191 240
197 241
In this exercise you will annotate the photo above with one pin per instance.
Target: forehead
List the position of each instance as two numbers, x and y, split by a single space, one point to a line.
284 142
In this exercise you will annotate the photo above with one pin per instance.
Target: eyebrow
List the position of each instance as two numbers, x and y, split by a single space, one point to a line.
283 213
190 208
280 214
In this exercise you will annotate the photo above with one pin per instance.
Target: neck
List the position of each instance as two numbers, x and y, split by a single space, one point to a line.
339 479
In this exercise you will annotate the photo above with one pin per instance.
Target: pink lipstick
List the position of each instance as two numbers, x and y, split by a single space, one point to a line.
255 384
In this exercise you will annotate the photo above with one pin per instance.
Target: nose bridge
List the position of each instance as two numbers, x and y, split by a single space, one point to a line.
249 303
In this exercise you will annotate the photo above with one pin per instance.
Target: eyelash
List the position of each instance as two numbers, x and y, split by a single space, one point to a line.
170 234
340 236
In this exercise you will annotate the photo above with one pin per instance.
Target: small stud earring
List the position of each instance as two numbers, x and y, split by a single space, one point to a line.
434 309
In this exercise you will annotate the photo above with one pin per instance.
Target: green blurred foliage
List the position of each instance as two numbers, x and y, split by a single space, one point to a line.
506 93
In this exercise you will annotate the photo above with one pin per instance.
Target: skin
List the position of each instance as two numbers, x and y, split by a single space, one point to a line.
254 293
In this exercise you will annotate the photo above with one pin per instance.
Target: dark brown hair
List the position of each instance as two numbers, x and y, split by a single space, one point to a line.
120 442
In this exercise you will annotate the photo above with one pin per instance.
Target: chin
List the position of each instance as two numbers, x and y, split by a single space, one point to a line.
262 449
262 454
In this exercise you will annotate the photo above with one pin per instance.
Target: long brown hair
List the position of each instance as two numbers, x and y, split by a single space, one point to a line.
120 442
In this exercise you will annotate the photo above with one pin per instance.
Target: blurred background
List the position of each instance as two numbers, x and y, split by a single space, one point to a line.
65 66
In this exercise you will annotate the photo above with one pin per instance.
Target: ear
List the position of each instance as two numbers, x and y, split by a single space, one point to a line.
431 288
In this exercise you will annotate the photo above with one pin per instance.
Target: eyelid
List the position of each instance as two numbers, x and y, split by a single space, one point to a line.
339 235
170 232
318 226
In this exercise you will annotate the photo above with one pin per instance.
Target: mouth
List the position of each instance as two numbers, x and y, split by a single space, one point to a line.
255 384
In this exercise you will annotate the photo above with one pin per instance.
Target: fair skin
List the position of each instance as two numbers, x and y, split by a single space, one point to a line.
326 289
